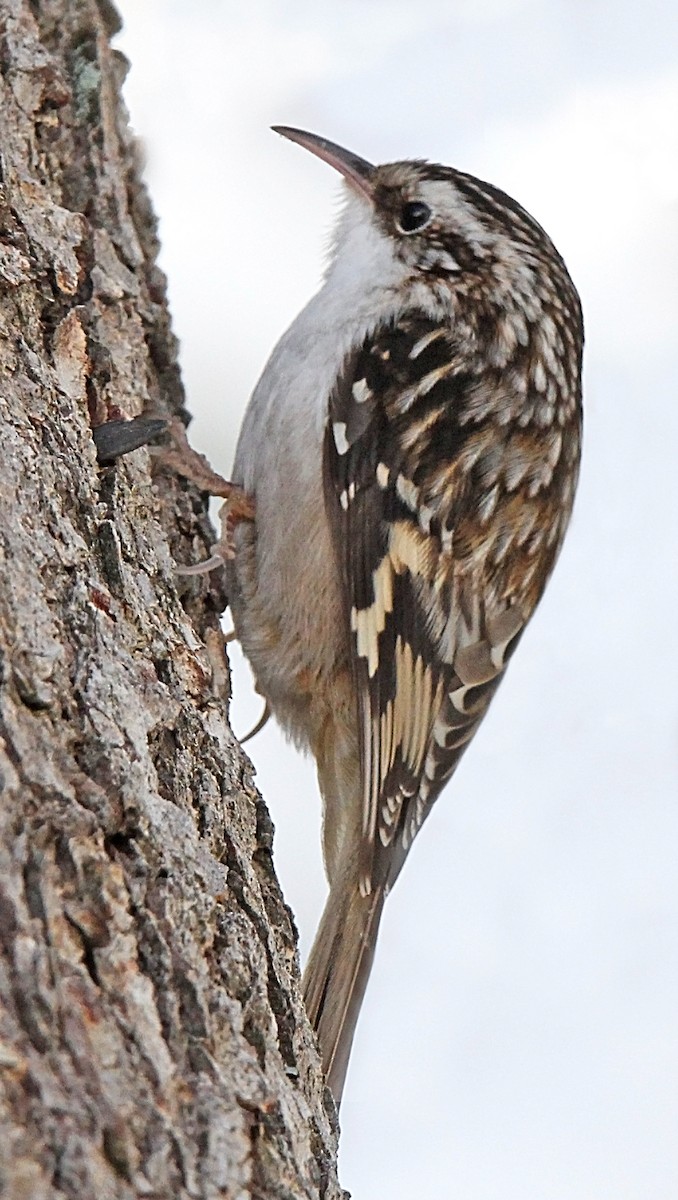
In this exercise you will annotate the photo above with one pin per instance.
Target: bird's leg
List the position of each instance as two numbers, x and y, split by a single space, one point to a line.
238 506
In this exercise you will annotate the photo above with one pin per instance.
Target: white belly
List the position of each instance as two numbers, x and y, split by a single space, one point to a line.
284 585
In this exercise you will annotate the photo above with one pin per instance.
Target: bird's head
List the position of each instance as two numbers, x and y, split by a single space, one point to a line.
444 240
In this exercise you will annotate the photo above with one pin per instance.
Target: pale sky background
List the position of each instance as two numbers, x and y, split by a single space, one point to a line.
520 1036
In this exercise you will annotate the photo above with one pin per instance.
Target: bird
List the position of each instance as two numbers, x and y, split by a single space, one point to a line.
411 453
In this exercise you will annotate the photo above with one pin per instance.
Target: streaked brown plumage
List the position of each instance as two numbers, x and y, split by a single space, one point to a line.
412 449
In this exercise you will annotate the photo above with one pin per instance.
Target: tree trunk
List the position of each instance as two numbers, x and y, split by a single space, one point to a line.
152 1039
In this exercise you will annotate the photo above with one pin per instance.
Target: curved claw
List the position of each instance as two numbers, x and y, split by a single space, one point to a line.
201 568
263 719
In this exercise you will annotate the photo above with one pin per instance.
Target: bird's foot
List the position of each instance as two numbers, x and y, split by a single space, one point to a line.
238 506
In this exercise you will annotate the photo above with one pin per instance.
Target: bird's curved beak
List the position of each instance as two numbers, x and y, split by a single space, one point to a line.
357 171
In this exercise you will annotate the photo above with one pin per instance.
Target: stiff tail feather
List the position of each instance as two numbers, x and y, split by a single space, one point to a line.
337 972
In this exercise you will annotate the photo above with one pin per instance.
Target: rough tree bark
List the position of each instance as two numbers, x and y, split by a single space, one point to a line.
152 1039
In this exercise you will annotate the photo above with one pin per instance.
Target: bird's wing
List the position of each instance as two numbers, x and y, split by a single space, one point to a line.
433 505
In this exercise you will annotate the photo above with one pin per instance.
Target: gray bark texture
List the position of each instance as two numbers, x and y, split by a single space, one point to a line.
152 1038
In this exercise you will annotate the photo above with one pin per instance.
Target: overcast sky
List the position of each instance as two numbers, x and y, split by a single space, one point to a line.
520 1036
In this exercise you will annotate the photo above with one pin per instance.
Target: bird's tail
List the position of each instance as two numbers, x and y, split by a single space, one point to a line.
337 972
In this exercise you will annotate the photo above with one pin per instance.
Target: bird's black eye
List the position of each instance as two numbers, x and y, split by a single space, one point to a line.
414 216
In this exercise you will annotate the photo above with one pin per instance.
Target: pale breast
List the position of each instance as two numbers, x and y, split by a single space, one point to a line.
284 585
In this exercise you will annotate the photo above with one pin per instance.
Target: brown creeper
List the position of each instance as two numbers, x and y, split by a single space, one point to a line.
412 449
